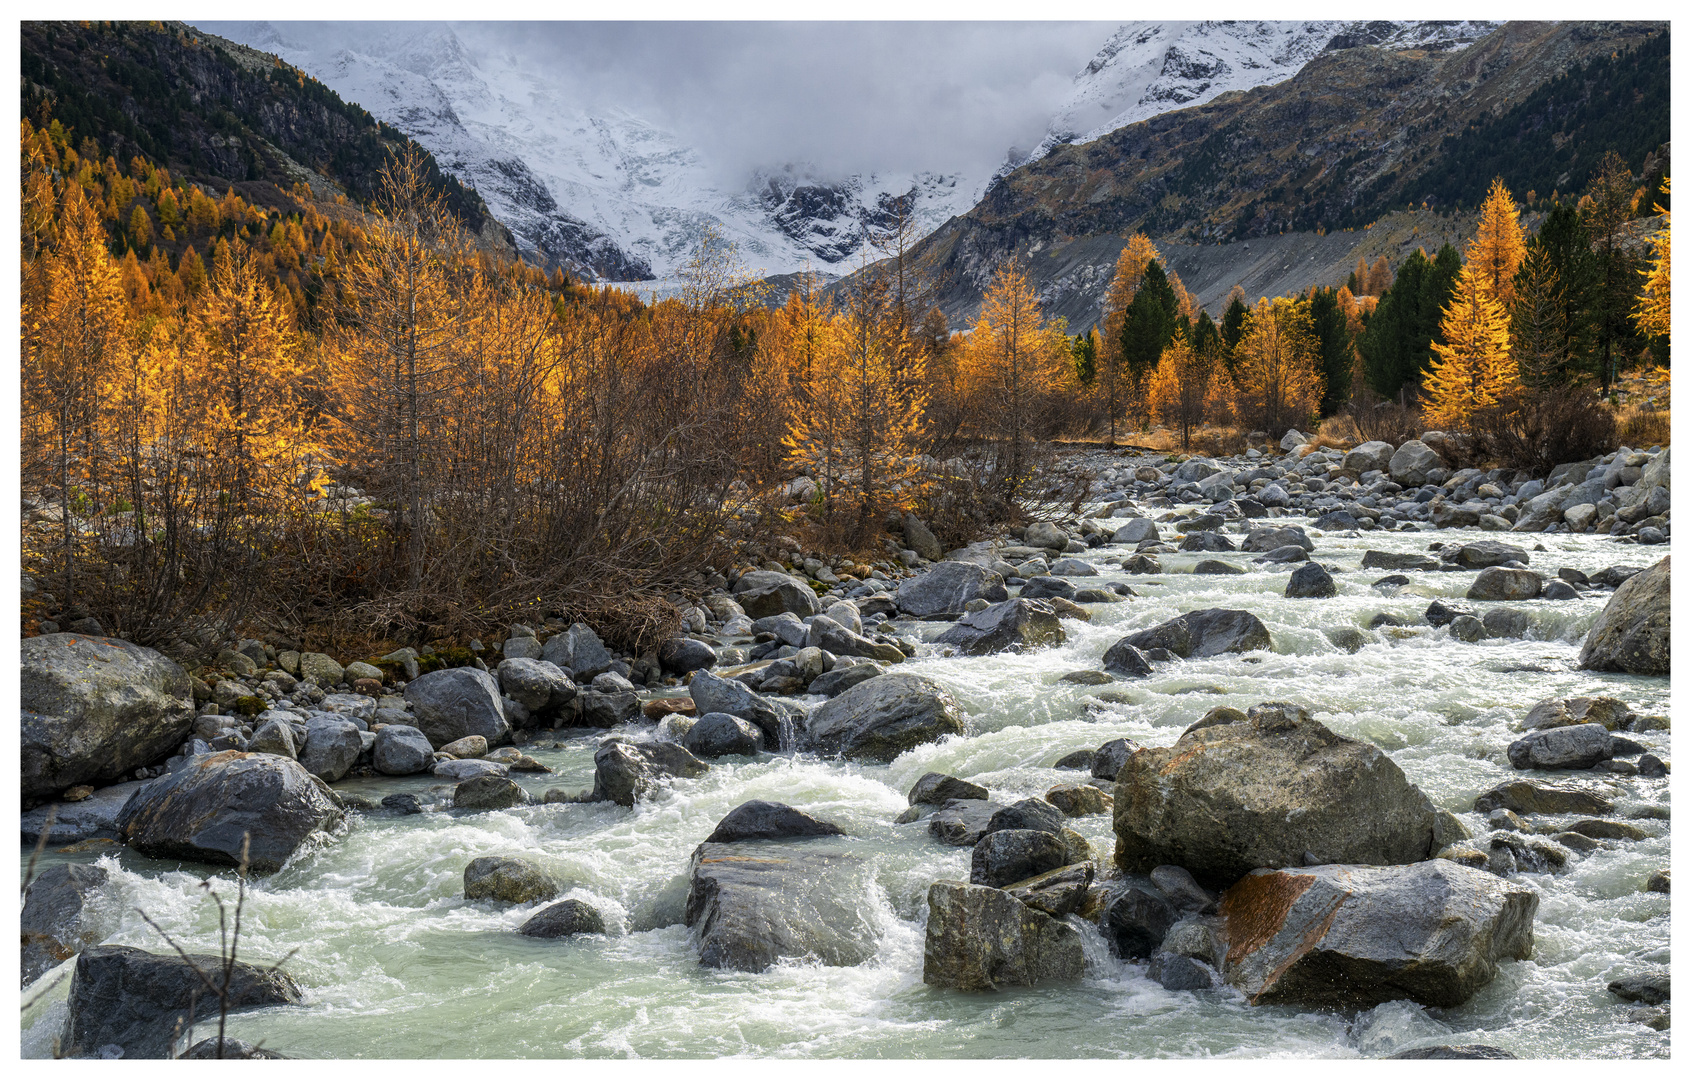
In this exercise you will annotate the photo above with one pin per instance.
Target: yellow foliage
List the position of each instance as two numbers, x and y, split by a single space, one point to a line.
1654 308
1498 247
1475 368
1276 383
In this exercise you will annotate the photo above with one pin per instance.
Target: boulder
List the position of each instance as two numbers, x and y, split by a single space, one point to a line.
962 822
1311 581
564 919
768 592
488 793
1542 797
228 1049
1286 553
275 736
1649 987
1079 800
843 678
1056 892
539 686
1036 814
1210 632
1579 746
981 938
95 708
1338 936
1142 564
1272 788
718 734
1108 759
712 693
882 718
201 811
470 746
1046 588
1043 534
332 746
65 909
842 641
624 771
1412 464
1483 553
751 907
138 1001
920 539
1632 633
1397 560
1136 920
1499 583
1005 856
578 651
1123 659
947 589
1370 457
1012 626
762 820
511 881
1136 531
401 750
938 789
679 655
458 771
1612 713
91 818
607 709
451 703
1266 540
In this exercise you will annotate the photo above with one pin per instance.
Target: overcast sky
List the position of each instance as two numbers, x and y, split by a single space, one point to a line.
847 96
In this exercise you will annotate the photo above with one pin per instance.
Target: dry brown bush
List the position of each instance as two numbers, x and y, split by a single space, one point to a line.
1537 430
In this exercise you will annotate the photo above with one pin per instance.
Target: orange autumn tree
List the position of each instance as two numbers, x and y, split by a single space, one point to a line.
1498 247
1112 381
1653 311
1474 368
1276 383
1187 385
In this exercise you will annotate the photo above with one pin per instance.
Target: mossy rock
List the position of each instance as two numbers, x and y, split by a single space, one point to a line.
455 656
250 705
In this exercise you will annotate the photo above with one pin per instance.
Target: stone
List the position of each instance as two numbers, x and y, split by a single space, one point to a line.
1047 588
1370 456
1216 566
1210 632
1412 463
1174 972
321 668
920 539
274 737
508 880
1088 678
713 693
607 710
332 746
1397 560
840 641
1500 583
1136 531
937 789
1652 988
947 589
1544 797
1266 792
1460 1052
1135 922
94 709
578 651
1142 564
488 793
1079 759
1272 539
564 919
1056 892
1346 936
882 718
759 819
1484 553
624 771
402 803
750 908
1036 814
1108 759
231 1049
92 818
540 686
1005 856
66 909
981 938
1311 581
1079 800
1632 633
718 734
137 1000
401 750
1578 746
843 678
1012 626
1124 659
1660 881
962 822
1440 614
1599 829
451 703
200 812
470 746
1043 534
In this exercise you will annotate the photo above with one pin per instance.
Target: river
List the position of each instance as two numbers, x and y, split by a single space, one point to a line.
395 963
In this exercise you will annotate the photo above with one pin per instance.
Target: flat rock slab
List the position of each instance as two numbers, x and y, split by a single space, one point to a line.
1354 936
962 822
751 905
93 818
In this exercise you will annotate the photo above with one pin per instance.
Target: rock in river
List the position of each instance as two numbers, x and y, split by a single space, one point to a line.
938 789
624 771
1272 788
401 750
136 1000
713 693
1007 856
752 906
882 718
1540 797
200 812
95 708
66 909
564 920
1632 633
1502 583
1012 626
1311 581
763 820
1355 936
1210 632
513 881
454 702
980 938
947 589
1579 746
718 734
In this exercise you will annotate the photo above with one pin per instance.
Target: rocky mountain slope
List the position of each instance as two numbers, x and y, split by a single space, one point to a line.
1358 132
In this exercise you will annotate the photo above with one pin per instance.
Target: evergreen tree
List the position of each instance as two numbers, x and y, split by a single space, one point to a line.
1330 325
1205 335
1607 206
1233 322
1567 259
1538 335
1148 327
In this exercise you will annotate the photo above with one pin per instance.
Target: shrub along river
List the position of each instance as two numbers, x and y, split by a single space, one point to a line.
394 962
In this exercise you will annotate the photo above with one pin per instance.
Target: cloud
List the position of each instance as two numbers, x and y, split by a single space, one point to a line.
846 97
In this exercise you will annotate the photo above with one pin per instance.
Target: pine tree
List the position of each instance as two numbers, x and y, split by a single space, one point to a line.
1474 369
1330 325
1233 321
1145 332
1115 380
1537 336
1497 249
1608 206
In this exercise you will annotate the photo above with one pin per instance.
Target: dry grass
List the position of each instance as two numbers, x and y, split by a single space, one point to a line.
1641 426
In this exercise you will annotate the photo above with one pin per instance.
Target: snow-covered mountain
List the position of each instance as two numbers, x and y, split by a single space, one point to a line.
1147 68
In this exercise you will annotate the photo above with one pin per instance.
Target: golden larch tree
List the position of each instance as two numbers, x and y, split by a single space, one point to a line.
1474 367
1277 385
1496 250
1654 309
1012 360
1186 387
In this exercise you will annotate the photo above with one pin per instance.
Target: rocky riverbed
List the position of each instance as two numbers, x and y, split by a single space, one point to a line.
1102 788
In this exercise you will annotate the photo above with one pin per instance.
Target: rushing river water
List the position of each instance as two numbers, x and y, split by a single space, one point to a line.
395 963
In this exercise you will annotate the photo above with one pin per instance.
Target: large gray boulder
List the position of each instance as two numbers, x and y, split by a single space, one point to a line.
564 920
1210 632
401 750
766 592
760 819
508 880
539 686
332 746
1269 539
1483 553
1577 746
578 651
1136 531
981 938
95 708
947 589
1397 560
1413 463
750 907
1500 583
1005 856
713 693
454 702
1012 626
1311 581
200 811
844 641
882 718
937 789
66 909
624 771
1268 788
1540 797
1346 937
1370 456
720 734
1632 633
137 1000
679 655
920 539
